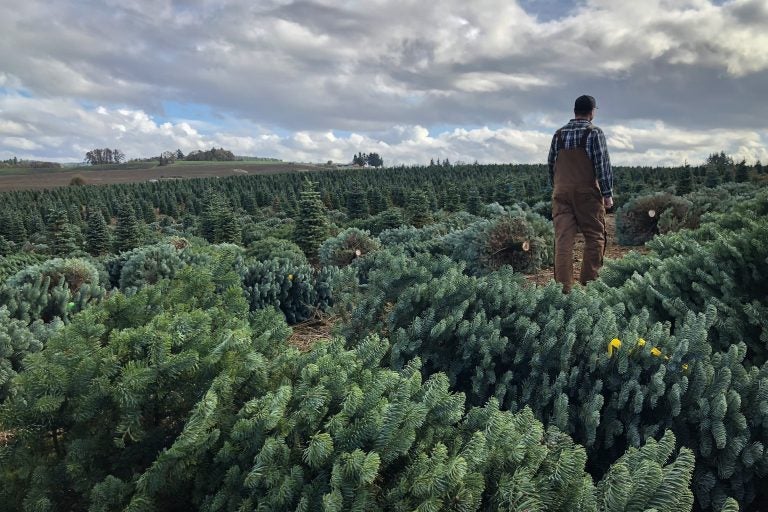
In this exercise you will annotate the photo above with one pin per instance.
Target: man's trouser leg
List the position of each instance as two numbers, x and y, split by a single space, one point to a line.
590 217
564 219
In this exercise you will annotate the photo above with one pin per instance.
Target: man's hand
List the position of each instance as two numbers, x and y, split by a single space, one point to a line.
608 203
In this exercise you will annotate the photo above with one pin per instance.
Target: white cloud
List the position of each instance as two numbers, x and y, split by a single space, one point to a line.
63 130
489 82
387 71
20 143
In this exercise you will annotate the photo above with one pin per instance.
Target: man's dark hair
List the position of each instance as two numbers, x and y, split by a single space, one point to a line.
584 105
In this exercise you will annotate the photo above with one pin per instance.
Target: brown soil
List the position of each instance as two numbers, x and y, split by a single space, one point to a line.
46 178
310 331
613 251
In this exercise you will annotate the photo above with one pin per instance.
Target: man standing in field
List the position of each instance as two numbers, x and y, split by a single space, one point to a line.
582 180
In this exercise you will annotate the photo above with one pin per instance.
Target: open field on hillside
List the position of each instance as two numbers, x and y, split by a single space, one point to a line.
26 179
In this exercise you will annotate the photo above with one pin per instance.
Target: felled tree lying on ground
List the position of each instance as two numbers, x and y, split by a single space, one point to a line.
56 288
172 399
640 219
721 265
522 240
347 246
596 366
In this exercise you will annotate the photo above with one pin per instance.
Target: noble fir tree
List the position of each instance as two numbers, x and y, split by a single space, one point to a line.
474 202
311 225
97 234
209 219
684 182
741 174
61 234
452 201
14 229
357 203
218 222
229 229
377 203
712 177
147 212
127 234
418 209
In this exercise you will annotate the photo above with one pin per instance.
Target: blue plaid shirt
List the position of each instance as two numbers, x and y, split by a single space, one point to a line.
597 150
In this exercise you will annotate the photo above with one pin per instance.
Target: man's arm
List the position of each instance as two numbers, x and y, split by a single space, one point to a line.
602 164
551 160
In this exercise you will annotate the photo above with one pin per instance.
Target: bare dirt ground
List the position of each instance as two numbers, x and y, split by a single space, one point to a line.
38 179
613 251
306 333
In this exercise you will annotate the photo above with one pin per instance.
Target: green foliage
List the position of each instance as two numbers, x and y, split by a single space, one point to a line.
62 234
390 218
452 200
347 246
282 284
16 341
643 217
10 264
474 202
127 234
13 228
377 202
183 395
218 222
110 397
357 203
418 209
741 173
149 264
717 265
430 238
311 224
171 409
270 247
522 240
213 154
57 288
495 337
97 236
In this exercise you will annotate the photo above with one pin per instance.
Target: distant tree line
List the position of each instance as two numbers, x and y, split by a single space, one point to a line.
212 154
370 159
101 156
115 156
31 164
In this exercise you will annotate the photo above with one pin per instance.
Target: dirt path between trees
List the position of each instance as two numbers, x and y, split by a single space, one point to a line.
613 251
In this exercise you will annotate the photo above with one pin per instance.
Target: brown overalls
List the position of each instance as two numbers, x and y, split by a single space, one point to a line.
577 205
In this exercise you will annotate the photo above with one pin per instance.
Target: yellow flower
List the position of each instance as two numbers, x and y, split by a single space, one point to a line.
685 367
290 277
614 344
641 342
655 352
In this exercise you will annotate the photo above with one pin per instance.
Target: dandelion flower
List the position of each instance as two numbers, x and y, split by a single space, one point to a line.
655 352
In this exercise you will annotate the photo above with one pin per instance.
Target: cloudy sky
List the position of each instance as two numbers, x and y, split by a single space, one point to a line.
317 80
